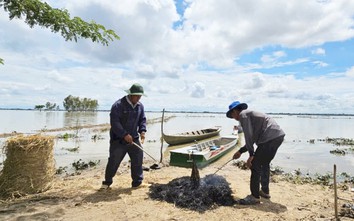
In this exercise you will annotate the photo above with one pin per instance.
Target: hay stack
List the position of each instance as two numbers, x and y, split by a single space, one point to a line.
29 166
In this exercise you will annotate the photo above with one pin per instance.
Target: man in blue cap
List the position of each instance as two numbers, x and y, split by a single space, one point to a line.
127 119
262 130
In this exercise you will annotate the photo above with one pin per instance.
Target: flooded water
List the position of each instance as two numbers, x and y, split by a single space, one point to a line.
295 153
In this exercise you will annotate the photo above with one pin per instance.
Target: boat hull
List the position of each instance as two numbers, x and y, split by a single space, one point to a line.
191 136
202 153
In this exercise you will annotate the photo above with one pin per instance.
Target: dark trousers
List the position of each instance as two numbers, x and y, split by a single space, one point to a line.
117 152
260 170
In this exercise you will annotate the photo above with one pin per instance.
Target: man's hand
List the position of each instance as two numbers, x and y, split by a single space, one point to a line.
249 161
236 155
128 139
142 137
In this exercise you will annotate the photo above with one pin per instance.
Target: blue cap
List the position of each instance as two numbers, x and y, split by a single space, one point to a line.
234 105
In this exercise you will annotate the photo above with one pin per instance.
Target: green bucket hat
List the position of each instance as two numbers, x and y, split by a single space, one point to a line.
136 89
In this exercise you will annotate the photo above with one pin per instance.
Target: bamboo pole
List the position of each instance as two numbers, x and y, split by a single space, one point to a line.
161 152
335 192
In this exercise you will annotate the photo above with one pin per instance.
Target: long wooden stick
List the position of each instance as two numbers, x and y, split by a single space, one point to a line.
161 152
335 192
141 148
222 166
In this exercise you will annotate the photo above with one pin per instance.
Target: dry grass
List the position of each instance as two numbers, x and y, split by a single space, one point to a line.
29 166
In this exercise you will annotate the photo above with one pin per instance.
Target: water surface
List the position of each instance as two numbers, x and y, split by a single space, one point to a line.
295 153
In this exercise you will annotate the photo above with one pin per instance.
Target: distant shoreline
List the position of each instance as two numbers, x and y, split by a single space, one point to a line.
197 112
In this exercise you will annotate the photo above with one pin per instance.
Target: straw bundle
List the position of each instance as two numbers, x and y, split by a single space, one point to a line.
29 166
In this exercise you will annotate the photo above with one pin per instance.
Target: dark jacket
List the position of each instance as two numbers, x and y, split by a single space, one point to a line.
125 119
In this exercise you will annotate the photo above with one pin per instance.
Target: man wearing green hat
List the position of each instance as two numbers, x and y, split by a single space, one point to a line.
262 130
128 121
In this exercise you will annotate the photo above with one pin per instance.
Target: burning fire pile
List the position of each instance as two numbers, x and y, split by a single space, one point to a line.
194 193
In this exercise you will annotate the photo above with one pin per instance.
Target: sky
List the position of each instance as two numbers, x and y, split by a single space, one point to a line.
294 56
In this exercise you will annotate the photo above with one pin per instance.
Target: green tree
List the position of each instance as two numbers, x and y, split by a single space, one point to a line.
72 103
36 12
50 106
39 107
68 102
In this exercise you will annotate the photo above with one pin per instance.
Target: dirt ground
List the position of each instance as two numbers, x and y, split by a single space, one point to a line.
77 198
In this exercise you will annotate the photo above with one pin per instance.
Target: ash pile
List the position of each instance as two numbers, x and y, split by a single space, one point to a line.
194 193
347 210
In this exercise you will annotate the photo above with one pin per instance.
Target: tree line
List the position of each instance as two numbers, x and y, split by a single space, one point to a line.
47 106
71 103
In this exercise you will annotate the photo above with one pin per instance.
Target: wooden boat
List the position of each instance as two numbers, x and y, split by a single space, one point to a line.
202 153
191 136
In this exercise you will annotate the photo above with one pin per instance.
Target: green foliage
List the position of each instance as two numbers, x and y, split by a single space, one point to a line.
66 136
78 165
340 141
40 13
81 165
36 12
50 106
39 107
61 170
72 103
338 152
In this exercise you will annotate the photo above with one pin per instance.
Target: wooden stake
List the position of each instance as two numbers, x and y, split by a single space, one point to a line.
161 148
335 192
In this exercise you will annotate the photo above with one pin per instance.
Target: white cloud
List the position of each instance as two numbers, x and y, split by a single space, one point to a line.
257 81
198 90
320 64
274 57
350 72
59 78
193 67
319 51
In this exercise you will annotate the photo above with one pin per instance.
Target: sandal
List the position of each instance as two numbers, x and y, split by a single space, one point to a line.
104 187
249 200
264 195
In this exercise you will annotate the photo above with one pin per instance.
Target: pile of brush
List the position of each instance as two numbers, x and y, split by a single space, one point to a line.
195 193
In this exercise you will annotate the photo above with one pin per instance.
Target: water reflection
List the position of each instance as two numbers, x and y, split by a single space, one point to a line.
72 119
51 118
